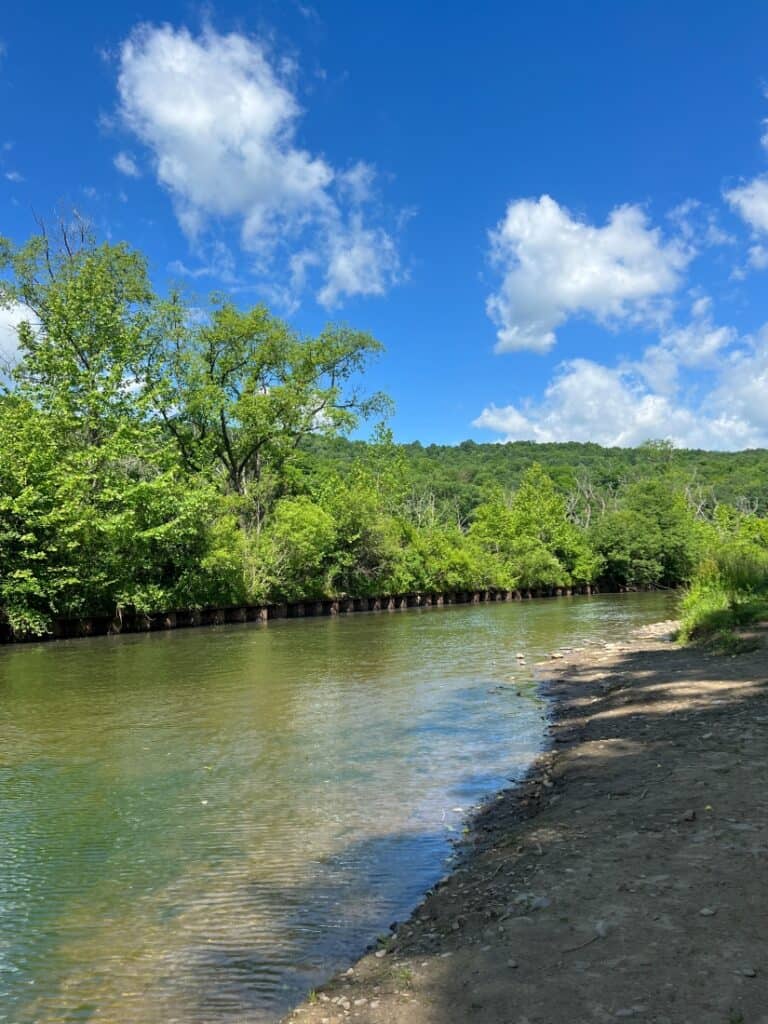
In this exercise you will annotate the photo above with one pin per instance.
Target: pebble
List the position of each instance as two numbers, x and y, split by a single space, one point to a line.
380 953
707 912
689 815
512 963
749 972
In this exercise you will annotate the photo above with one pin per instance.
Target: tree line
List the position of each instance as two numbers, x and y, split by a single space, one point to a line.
161 454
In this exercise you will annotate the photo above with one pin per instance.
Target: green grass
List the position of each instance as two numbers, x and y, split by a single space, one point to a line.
729 592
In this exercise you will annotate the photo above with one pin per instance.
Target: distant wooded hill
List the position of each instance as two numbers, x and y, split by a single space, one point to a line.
463 474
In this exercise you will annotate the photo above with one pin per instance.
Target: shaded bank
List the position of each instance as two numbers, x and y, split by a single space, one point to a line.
130 621
625 879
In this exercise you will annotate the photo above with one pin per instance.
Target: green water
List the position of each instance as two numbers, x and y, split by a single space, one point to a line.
198 826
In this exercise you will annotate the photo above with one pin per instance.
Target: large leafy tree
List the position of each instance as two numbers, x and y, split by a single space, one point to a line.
238 391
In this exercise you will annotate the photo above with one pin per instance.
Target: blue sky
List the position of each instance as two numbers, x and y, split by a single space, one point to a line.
554 216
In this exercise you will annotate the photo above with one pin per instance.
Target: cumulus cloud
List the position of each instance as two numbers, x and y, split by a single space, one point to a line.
363 261
14 176
126 164
697 345
651 397
757 257
750 201
555 266
587 401
219 115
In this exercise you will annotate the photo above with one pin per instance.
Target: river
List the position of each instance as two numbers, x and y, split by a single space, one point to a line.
198 826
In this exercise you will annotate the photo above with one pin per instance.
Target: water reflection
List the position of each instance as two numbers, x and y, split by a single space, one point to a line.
198 826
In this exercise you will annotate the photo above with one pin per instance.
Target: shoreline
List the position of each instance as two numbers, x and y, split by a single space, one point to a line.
130 622
626 875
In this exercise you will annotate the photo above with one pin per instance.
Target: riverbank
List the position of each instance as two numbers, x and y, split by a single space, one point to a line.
130 621
626 878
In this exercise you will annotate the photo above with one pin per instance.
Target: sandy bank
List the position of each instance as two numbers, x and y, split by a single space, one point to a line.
626 879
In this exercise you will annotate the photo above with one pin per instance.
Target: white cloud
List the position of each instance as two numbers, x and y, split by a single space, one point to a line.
220 119
698 225
358 181
698 345
363 261
743 387
126 164
555 266
220 264
590 402
750 201
10 318
14 176
757 257
623 405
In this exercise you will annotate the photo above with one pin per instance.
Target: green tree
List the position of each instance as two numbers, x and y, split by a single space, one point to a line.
238 391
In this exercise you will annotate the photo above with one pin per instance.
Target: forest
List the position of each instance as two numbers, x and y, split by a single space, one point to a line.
158 453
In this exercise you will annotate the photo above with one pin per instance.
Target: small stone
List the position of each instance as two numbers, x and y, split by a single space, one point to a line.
512 963
374 1003
748 972
380 953
707 912
689 815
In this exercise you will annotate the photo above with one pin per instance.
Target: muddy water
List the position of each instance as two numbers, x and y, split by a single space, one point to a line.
200 825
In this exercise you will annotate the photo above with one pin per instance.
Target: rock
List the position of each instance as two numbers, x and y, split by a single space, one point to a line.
512 963
748 972
707 912
689 815
380 953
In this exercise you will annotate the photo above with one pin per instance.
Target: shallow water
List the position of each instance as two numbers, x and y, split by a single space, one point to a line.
198 826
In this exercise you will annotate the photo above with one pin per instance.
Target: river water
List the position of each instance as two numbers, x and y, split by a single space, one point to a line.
198 826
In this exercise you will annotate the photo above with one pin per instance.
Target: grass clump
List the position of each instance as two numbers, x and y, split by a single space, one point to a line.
729 591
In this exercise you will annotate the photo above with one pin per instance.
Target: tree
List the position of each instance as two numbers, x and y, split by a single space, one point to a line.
88 332
238 391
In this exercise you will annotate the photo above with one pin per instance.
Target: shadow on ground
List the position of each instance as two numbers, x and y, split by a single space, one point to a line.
627 878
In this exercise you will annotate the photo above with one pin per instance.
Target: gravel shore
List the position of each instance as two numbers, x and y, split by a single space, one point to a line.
626 878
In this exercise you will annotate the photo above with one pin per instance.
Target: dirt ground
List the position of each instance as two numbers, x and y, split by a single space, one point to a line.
626 879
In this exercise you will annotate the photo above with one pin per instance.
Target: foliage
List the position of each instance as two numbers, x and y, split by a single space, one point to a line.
730 588
159 453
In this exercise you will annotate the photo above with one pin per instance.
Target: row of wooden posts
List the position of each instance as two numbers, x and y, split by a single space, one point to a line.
129 621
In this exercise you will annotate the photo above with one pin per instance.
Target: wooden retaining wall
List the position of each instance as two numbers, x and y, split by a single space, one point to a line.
133 622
